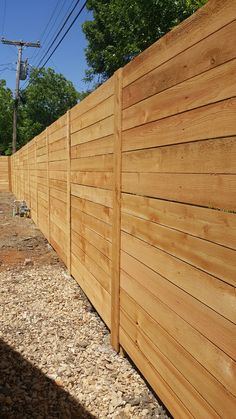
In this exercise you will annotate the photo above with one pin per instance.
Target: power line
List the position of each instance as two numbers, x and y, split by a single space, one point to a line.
57 35
59 43
53 24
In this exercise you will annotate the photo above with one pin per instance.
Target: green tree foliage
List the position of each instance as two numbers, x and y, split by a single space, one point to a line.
6 109
122 29
47 97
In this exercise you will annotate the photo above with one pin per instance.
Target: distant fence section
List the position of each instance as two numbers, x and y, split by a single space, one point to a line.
5 174
135 188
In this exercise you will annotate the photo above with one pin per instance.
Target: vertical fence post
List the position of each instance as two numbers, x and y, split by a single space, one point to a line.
9 174
68 145
115 281
36 180
48 186
28 166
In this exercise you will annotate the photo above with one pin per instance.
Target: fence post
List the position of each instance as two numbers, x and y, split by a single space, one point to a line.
68 145
9 174
48 186
115 281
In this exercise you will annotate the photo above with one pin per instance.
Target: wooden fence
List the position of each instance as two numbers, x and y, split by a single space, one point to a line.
5 174
135 188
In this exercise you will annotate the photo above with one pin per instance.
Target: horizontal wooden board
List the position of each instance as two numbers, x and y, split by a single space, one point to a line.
59 194
210 388
197 189
211 121
102 163
98 296
95 98
58 165
188 308
101 212
103 245
98 257
213 225
80 219
209 156
97 113
97 179
97 195
214 293
217 260
93 148
57 145
93 268
209 19
99 130
180 385
187 64
216 362
199 91
157 382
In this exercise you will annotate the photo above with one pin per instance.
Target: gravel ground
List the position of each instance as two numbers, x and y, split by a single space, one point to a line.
55 355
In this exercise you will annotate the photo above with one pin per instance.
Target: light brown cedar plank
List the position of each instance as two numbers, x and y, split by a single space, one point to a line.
101 276
179 384
41 158
215 226
185 65
40 152
223 334
78 218
95 254
57 238
61 195
57 155
207 256
98 296
99 112
94 238
162 389
59 222
212 17
211 121
95 163
98 179
197 189
57 175
210 87
209 156
93 148
221 366
58 165
58 135
57 145
96 210
58 125
99 130
214 293
210 388
43 197
58 206
97 195
95 98
43 188
58 184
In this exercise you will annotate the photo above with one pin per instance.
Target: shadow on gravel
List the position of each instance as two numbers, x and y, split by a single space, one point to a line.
26 393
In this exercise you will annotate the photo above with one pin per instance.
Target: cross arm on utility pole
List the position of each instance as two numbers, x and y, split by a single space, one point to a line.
20 45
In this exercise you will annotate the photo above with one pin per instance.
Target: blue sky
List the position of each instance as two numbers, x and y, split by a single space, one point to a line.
26 20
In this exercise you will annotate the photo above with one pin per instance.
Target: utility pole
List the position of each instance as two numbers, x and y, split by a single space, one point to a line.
20 45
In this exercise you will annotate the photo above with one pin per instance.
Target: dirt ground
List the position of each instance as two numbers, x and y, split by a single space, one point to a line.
21 240
56 360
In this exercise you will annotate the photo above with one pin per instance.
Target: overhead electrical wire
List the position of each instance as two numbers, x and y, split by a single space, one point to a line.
54 21
68 29
59 32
